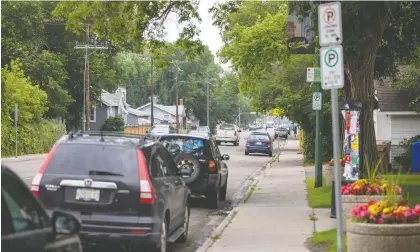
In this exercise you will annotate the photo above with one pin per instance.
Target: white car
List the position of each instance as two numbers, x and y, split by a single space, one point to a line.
227 133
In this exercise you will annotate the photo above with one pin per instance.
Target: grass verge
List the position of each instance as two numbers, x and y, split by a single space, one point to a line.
318 197
329 238
410 184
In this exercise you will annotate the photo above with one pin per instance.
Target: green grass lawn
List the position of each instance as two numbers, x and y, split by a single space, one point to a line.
328 238
410 184
318 197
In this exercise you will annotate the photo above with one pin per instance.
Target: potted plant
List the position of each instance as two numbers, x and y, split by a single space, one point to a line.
328 168
362 191
384 226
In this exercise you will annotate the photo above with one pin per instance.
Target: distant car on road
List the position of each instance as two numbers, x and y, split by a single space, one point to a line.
124 189
26 226
259 142
204 129
199 133
282 132
227 133
201 164
159 130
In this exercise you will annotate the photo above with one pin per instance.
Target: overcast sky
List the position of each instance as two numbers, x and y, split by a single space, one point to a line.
209 34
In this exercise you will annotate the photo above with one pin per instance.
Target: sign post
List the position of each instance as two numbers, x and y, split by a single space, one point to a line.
16 130
332 77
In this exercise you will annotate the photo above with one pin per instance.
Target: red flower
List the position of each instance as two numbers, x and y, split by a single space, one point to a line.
371 202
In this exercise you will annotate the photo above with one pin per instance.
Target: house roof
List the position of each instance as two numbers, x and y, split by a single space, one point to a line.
136 112
170 109
393 99
110 99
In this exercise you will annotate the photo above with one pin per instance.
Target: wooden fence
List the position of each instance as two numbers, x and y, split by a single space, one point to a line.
137 129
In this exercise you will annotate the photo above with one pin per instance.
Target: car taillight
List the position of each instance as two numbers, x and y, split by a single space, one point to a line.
270 143
248 142
36 181
235 133
147 192
212 166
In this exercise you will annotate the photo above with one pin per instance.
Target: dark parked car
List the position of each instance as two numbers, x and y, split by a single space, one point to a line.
123 188
259 142
160 130
25 226
201 164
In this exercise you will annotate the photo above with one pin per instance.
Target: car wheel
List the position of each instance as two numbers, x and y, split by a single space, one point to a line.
218 142
270 154
246 153
185 161
223 191
213 198
184 236
163 241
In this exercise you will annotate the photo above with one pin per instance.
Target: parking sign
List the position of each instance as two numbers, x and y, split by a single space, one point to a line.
332 67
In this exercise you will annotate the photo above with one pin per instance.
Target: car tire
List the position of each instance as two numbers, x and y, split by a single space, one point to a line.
213 199
184 236
191 160
270 154
218 142
246 153
223 191
163 242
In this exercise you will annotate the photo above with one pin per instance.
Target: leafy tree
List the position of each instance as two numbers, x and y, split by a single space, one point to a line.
113 123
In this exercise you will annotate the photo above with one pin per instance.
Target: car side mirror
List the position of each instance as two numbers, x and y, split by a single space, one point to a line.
225 157
64 223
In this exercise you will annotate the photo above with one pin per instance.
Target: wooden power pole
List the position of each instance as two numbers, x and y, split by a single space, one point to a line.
177 98
152 92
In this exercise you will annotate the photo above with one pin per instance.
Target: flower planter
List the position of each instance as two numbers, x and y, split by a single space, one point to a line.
366 237
350 201
329 174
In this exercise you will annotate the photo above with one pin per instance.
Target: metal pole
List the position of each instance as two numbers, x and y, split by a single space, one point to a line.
16 130
318 144
337 173
177 101
84 93
208 106
239 119
152 91
87 83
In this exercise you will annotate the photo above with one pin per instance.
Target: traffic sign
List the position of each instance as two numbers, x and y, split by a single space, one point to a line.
317 100
313 74
332 67
329 24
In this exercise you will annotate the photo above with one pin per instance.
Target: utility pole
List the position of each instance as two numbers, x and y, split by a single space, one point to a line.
177 99
208 106
86 88
239 120
152 91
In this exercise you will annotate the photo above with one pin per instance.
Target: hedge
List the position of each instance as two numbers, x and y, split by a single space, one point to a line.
32 139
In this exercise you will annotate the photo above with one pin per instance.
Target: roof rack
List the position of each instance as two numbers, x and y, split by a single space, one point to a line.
142 138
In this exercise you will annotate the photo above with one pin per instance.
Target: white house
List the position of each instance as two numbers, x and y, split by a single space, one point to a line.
394 120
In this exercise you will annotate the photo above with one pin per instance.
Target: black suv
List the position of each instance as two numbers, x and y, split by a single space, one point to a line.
25 226
201 165
124 189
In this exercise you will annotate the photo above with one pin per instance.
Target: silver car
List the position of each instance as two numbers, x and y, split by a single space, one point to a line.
227 133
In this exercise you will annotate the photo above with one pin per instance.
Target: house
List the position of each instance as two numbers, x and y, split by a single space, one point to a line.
112 104
394 120
167 113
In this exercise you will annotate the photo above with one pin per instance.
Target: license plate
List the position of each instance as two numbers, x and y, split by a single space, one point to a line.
87 194
259 143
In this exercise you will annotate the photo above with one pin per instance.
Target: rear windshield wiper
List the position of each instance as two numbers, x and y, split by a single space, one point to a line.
105 173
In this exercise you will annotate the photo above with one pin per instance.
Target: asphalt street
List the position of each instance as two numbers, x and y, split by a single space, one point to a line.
202 221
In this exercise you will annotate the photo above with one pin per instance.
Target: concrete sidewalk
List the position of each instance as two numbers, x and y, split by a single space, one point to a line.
23 158
277 216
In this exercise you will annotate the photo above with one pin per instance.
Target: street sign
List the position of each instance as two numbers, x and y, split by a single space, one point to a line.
329 24
16 113
332 67
317 100
313 74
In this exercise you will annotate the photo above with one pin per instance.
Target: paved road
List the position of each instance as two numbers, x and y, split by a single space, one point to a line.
202 221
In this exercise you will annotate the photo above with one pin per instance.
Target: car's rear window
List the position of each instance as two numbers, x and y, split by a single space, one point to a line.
260 137
79 159
182 144
227 127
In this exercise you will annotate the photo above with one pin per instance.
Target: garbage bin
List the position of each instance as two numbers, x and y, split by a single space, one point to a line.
384 148
416 157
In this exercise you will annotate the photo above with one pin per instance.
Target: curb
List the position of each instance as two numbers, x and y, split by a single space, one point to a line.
23 158
222 226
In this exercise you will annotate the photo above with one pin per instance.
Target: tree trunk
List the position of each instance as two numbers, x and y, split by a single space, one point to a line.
359 68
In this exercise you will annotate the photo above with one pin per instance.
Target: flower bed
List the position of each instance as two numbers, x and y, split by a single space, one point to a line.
384 226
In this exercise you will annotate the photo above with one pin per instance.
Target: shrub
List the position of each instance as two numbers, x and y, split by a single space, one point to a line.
32 138
113 123
406 158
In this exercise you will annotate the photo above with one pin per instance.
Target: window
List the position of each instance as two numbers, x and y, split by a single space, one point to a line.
169 161
93 114
155 166
166 117
227 127
24 211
